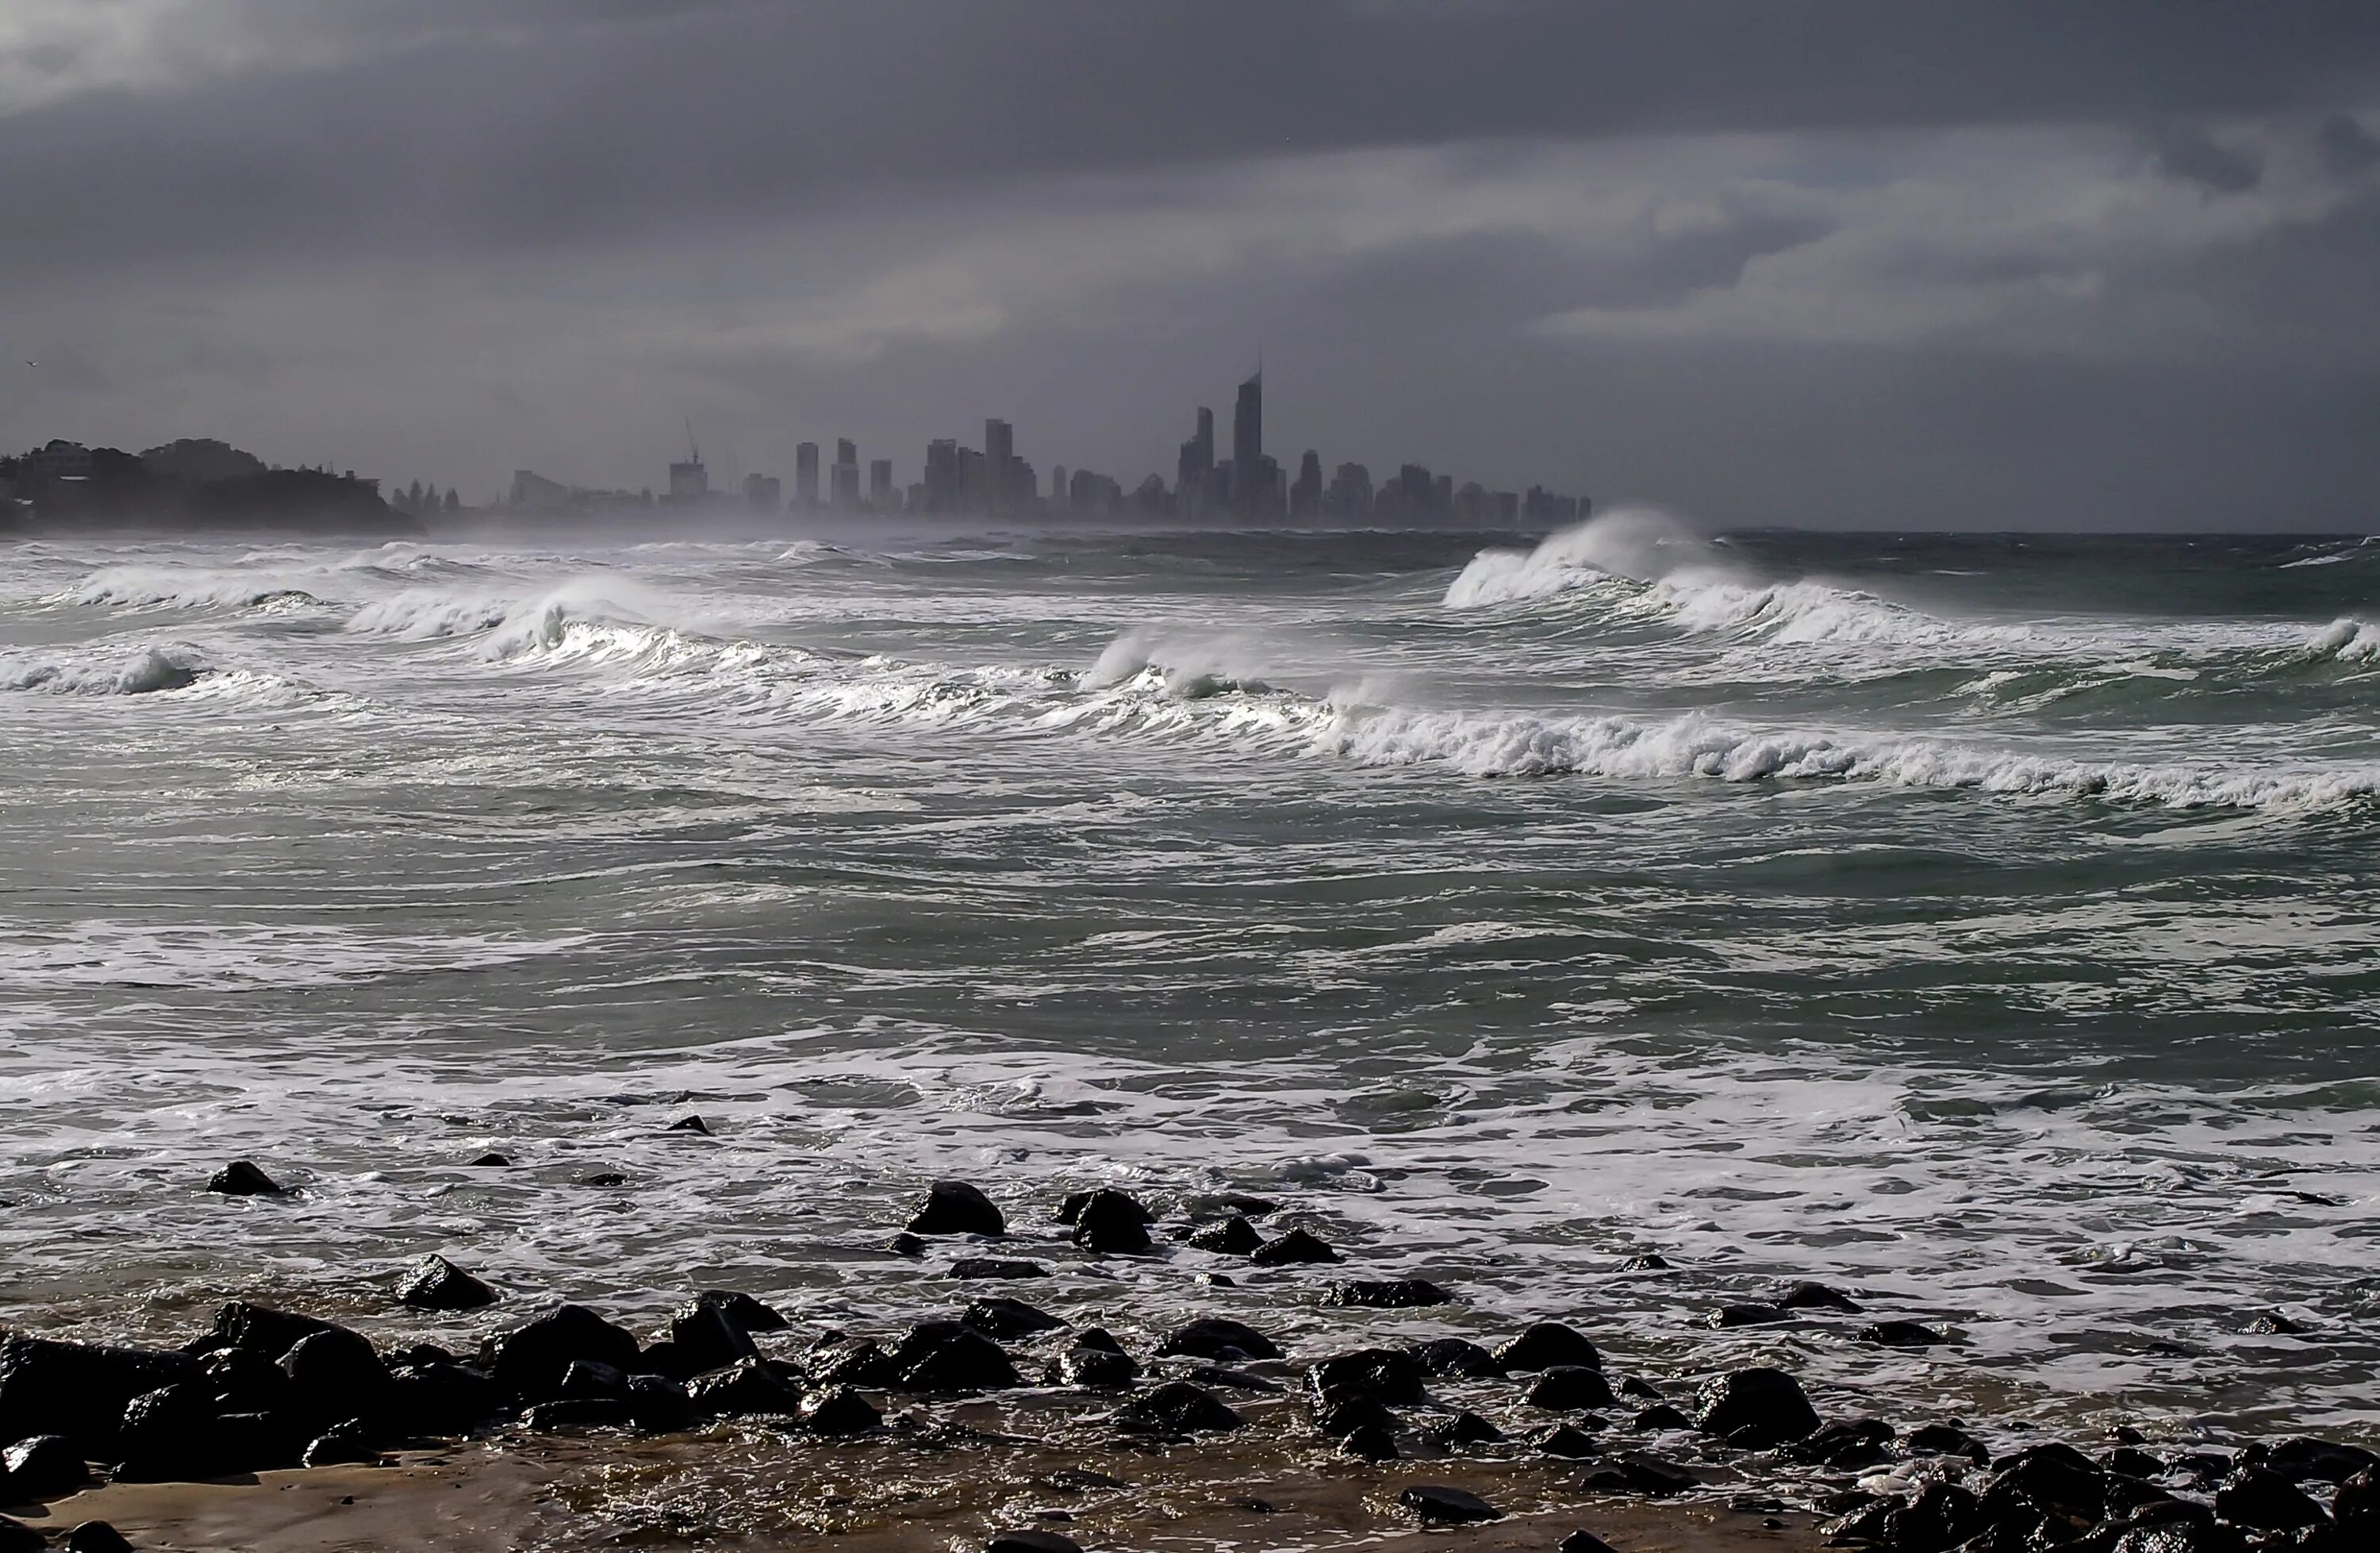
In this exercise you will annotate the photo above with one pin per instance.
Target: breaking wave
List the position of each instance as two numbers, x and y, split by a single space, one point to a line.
141 671
2344 640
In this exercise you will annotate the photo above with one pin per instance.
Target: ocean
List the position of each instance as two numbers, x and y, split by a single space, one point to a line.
1985 925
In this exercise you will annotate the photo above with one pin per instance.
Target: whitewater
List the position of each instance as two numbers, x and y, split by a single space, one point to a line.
1985 923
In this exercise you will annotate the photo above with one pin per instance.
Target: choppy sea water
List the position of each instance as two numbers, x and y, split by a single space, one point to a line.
1983 923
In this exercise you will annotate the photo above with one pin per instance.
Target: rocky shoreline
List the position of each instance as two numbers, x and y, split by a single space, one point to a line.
988 1408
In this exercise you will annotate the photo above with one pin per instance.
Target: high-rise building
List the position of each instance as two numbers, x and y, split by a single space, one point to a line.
1194 473
762 492
1350 496
1306 496
1247 445
881 494
944 490
845 475
1058 487
806 476
689 481
975 482
999 458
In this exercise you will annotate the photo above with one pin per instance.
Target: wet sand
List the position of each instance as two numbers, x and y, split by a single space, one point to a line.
737 1487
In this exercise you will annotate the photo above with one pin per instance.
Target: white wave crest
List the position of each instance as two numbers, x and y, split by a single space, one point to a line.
150 587
1630 542
139 671
2345 640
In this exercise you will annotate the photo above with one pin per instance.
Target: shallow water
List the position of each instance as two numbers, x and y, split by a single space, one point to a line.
1985 923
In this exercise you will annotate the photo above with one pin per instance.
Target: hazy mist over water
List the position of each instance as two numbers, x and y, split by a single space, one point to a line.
1985 923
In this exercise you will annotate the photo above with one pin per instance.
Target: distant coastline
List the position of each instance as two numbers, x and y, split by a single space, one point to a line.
194 485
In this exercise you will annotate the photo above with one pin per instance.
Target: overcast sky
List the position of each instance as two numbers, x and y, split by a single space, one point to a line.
2011 263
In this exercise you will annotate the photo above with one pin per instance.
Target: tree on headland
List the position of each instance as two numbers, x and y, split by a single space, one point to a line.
413 496
454 500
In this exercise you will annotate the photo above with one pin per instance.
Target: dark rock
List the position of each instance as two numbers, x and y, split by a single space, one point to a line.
240 1380
592 1380
996 1267
1660 1415
438 1398
1634 1386
1345 1416
946 1357
44 1467
1110 1222
1584 1542
2356 1506
2133 1463
1752 1315
1070 1209
1435 1505
1219 1281
839 1414
1177 1408
1940 1516
749 1314
571 1415
1901 1334
168 1435
1100 1337
1233 1236
1755 1409
953 1207
17 1537
262 1329
1567 1441
606 1179
1848 1446
1465 1428
1817 1296
705 1338
1944 1439
1387 1294
905 1244
1457 1357
345 1444
434 1283
2265 1501
1569 1389
1031 1540
1369 1442
690 1124
1645 1262
1095 1369
2301 1460
659 1406
1377 1375
78 1390
2046 1479
96 1536
2183 1536
527 1362
1654 1476
1002 1317
334 1375
1547 1344
257 1441
1294 1247
839 1360
749 1386
240 1178
490 1162
1218 1340
1230 1380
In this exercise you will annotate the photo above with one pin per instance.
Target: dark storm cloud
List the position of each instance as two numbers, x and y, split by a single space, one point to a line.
2348 148
2187 152
435 123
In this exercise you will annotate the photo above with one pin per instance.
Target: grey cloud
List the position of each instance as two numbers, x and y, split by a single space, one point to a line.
2348 148
2187 153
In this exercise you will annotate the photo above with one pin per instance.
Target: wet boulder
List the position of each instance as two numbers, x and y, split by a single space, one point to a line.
433 1283
1219 1377
1386 1294
1901 1334
1232 1237
334 1374
347 1443
1006 1320
438 1398
1434 1505
1583 1542
1296 1246
1751 1314
1567 1441
1225 1341
2048 1480
1369 1442
1654 1476
1379 1374
257 1441
258 1329
1032 1539
242 1380
1755 1409
2265 1502
658 1405
746 1387
571 1415
953 1207
44 1467
835 1360
1110 1222
1177 1408
996 1267
1569 1389
1945 1439
168 1435
95 1536
839 1414
703 1336
2307 1460
1849 1445
527 1362
241 1179
1547 1344
1095 1369
747 1313
78 1390
1465 1428
1457 1357
949 1357
1817 1296
17 1537
1660 1417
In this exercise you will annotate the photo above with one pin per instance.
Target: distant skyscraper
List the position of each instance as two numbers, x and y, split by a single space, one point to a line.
847 475
689 481
944 487
1195 470
1058 487
999 457
881 494
1306 496
761 492
806 476
1247 445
